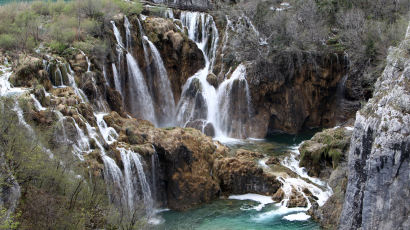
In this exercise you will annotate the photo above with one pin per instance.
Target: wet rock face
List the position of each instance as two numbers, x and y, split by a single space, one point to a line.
296 91
377 194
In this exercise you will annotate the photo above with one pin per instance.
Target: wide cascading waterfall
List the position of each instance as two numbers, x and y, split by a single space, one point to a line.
199 97
163 92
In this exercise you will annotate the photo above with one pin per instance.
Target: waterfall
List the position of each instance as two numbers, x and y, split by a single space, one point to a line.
234 103
120 47
36 103
108 133
117 35
73 84
165 96
127 26
117 83
114 180
154 168
132 164
228 107
107 82
88 61
141 105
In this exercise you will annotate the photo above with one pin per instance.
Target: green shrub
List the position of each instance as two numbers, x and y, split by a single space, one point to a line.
7 41
57 46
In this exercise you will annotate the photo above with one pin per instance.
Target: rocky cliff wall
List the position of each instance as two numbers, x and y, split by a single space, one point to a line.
377 195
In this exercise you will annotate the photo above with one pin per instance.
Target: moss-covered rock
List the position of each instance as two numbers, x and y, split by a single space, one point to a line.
326 149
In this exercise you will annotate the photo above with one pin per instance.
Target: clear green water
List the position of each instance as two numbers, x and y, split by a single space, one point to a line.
225 214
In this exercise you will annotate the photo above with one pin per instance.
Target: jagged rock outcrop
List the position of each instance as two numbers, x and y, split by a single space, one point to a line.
377 195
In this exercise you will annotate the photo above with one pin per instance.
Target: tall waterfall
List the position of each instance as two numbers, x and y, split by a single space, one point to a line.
223 105
142 105
163 91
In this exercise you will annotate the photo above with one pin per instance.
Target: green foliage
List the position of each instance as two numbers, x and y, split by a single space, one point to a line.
9 220
331 144
7 41
57 46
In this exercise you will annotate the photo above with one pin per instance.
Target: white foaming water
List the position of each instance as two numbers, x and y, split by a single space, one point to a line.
301 216
262 200
349 128
108 133
127 27
142 104
293 164
117 35
166 97
130 159
5 86
117 82
88 61
36 103
228 123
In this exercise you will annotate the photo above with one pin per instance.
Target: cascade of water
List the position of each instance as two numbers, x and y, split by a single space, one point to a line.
117 35
221 105
5 86
115 183
127 26
107 82
165 96
120 47
60 76
142 106
88 61
234 104
154 168
73 84
132 160
146 54
108 133
117 82
36 103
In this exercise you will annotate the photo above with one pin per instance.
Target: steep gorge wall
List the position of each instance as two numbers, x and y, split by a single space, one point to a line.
297 91
377 195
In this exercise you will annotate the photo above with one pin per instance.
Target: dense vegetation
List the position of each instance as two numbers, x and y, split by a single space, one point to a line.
60 24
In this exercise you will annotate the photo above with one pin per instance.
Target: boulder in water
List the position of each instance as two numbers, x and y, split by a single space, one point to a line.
212 80
202 125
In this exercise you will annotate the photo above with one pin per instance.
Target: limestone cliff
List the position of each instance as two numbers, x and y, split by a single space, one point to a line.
377 195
